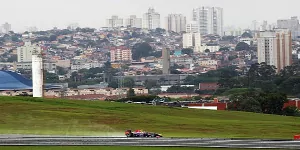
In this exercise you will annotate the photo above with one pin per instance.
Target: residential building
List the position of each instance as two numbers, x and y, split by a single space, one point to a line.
275 48
192 27
264 26
255 25
48 66
208 86
120 54
192 40
86 65
176 23
291 24
210 63
183 60
170 79
210 47
6 27
209 19
114 22
133 21
63 63
151 19
232 31
25 52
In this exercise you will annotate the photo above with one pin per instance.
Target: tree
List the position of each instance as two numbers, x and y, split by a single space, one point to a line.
230 58
51 77
228 38
187 51
224 49
113 84
291 111
257 101
207 51
149 84
74 76
13 58
261 74
15 39
246 35
130 93
141 50
242 46
53 38
61 70
179 89
129 82
245 103
290 86
272 103
227 79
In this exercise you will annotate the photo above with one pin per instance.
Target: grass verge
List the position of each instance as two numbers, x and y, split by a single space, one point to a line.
21 115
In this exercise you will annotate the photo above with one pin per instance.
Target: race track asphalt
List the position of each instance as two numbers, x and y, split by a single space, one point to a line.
154 142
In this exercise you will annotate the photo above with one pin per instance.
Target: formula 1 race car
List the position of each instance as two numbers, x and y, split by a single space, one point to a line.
140 133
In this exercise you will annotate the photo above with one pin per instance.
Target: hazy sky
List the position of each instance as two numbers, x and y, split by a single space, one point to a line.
46 14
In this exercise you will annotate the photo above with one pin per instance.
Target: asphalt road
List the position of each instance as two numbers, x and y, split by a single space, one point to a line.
120 141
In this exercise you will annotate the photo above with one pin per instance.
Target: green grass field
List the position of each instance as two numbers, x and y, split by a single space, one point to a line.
19 115
102 148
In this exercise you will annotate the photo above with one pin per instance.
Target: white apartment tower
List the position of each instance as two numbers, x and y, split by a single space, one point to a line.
114 22
209 19
6 27
192 40
192 27
176 23
133 21
151 19
275 48
25 52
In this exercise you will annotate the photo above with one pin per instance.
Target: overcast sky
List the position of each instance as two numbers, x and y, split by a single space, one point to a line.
46 14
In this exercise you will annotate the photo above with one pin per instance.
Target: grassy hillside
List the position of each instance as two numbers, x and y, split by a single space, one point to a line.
19 115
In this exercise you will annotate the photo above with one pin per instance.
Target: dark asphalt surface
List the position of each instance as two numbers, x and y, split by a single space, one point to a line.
120 141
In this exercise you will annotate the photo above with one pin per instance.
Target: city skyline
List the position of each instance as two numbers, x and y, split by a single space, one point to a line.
93 13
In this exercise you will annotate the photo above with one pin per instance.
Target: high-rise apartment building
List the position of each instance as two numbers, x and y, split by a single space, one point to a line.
255 25
6 27
120 54
114 22
192 40
133 21
209 19
151 19
176 23
291 24
25 52
275 48
192 27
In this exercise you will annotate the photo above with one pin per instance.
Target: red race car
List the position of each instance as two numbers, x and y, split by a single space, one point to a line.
140 133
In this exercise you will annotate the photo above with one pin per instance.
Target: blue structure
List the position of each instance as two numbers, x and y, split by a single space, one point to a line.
177 52
13 81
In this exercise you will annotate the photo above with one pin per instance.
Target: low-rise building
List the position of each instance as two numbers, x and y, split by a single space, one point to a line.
210 47
210 63
208 86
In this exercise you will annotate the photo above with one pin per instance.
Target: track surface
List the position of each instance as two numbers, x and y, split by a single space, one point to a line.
120 141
